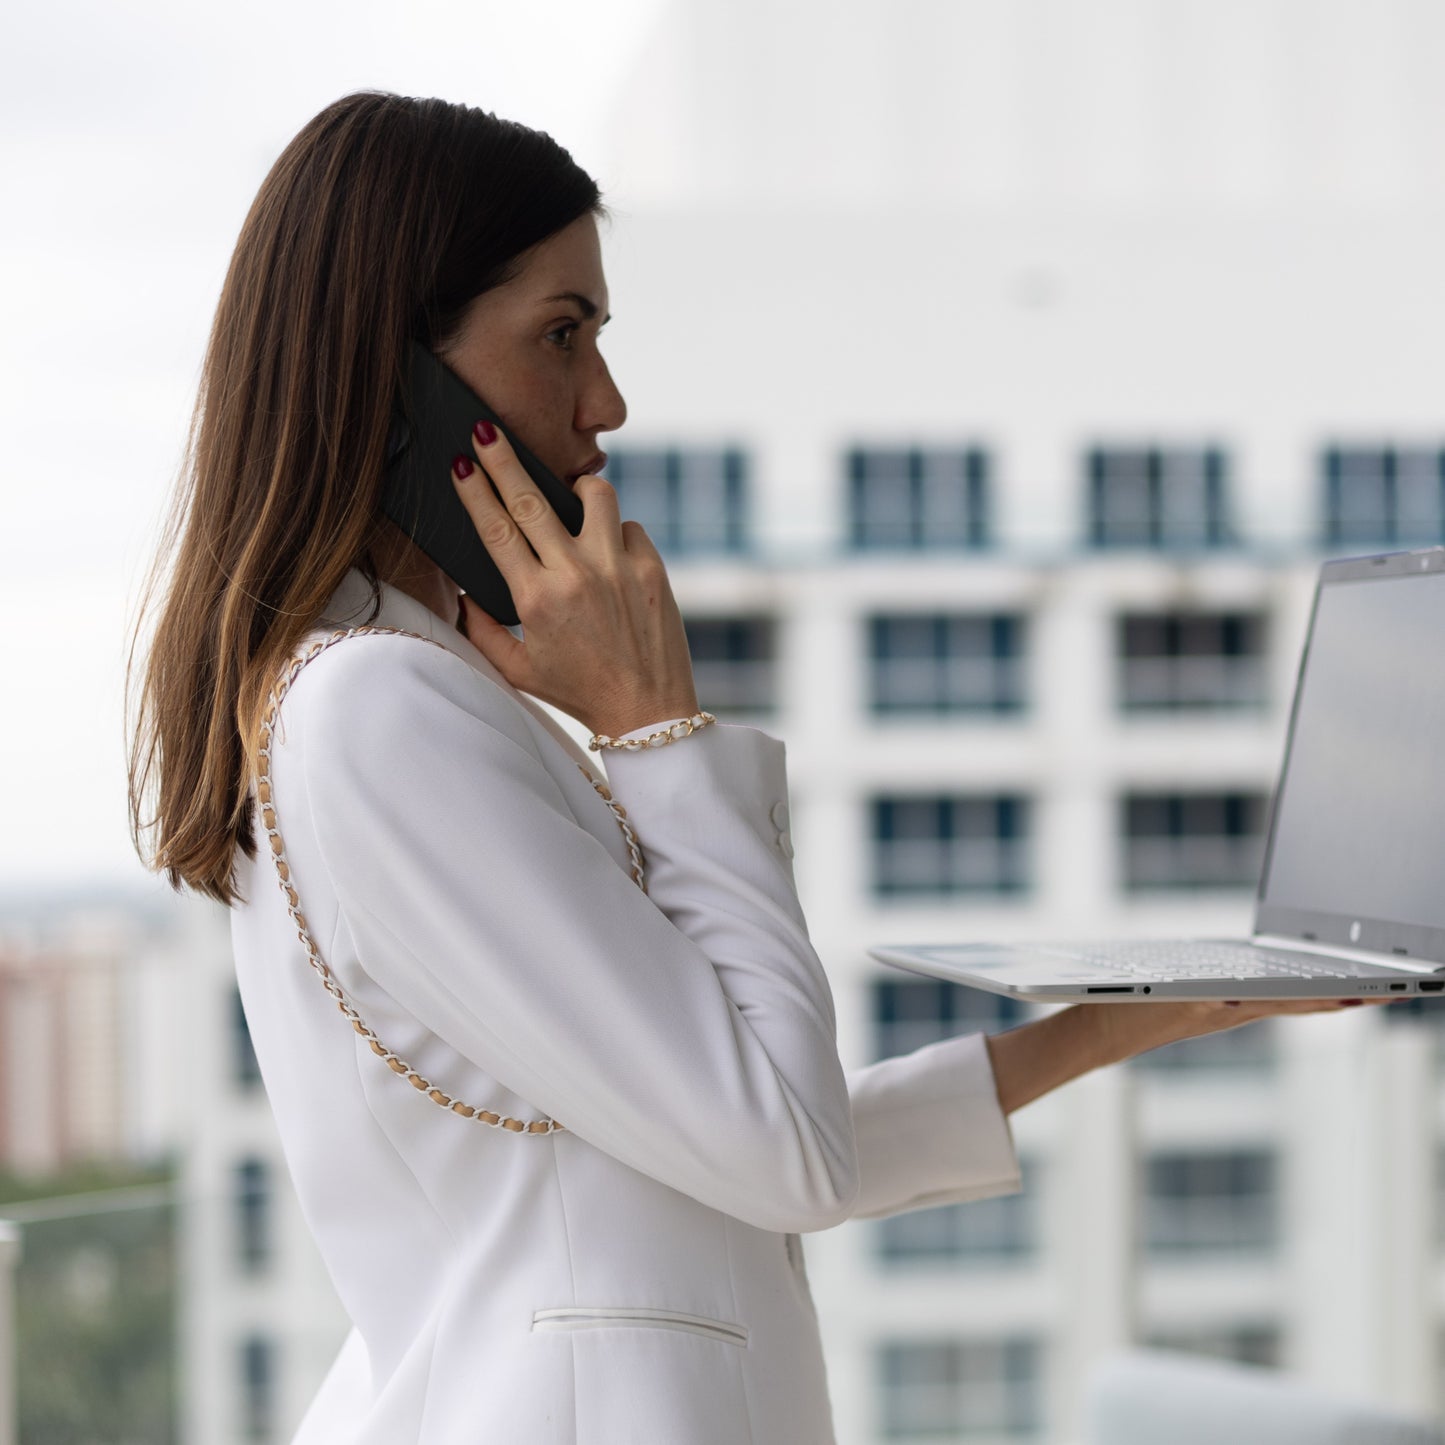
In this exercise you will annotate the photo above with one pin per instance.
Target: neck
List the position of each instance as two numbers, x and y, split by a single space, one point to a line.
406 567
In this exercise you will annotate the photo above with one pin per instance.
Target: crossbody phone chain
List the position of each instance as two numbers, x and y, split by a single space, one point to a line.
266 797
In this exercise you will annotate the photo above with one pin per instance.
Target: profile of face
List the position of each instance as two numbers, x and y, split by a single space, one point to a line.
530 348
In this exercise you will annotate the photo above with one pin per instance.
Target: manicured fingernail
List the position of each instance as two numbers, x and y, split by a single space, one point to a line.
485 433
462 466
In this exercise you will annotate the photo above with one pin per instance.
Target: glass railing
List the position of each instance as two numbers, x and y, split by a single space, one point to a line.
93 1296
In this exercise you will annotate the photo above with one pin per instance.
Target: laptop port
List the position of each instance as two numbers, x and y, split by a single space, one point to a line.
1432 985
1129 988
1398 987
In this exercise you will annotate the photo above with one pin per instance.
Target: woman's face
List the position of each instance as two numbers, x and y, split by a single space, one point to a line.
529 348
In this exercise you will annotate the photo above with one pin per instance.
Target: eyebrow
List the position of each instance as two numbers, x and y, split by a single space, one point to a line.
585 304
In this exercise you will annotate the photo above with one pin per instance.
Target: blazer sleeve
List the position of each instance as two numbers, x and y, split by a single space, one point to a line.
928 1125
691 1035
930 1130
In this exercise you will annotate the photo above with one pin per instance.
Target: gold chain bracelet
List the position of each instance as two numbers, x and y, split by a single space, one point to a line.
660 739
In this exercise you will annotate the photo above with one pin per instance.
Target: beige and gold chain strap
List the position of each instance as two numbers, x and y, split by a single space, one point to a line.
267 801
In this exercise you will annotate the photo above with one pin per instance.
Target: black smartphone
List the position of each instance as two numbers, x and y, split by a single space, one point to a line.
434 424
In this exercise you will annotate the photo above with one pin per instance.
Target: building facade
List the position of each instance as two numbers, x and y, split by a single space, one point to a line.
1021 364
59 1003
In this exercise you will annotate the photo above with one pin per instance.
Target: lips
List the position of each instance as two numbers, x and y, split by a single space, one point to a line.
590 467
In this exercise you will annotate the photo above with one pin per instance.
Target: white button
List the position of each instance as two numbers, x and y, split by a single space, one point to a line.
780 815
785 845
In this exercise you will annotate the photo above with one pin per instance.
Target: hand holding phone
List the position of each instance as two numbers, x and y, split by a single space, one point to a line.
434 425
602 635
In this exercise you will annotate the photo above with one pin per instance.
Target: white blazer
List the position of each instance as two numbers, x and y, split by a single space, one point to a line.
636 1279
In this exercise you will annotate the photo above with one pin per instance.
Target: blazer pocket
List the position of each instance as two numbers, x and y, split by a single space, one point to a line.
600 1318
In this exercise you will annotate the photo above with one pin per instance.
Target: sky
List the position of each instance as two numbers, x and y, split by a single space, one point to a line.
133 138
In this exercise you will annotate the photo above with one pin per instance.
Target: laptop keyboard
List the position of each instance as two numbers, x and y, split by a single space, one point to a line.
1200 959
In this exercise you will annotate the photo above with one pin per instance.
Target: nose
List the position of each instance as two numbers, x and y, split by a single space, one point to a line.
600 406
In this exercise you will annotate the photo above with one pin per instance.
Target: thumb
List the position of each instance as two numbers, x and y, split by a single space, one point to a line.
493 640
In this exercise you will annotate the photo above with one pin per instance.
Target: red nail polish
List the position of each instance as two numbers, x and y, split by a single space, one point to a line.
463 466
485 432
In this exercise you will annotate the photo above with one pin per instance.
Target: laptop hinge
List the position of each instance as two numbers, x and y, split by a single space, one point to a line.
1392 961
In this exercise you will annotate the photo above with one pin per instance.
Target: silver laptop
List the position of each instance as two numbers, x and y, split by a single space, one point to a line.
1351 896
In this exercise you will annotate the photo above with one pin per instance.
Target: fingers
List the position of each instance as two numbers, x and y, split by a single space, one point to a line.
1269 1008
636 540
521 499
500 535
601 516
494 641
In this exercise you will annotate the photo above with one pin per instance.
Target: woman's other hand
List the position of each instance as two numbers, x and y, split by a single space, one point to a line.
603 638
1130 1029
1038 1056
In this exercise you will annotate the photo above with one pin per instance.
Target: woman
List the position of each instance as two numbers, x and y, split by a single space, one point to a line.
580 1223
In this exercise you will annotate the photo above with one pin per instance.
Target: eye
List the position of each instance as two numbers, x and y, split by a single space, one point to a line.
562 335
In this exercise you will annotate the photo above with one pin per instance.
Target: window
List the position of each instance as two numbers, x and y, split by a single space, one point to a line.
1002 1230
942 846
911 1012
1377 495
944 1390
687 499
1157 497
1192 840
244 1069
911 497
253 1215
1169 661
946 663
258 1388
1245 1344
734 663
1196 1203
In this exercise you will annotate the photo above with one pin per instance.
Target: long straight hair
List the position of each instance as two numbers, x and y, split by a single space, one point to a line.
379 222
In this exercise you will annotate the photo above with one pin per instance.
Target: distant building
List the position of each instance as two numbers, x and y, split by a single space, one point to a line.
1051 349
75 1082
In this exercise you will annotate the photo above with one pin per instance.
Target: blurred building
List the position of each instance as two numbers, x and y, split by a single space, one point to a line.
999 376
83 1008
57 1030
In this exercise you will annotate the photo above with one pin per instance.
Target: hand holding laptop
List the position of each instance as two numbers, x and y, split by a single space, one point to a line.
1125 1032
1030 1060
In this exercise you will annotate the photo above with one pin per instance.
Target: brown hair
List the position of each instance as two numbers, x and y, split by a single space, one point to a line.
380 221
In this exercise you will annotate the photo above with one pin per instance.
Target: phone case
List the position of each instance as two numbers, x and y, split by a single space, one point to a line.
418 494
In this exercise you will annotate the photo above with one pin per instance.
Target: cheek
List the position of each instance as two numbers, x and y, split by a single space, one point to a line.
527 384
538 410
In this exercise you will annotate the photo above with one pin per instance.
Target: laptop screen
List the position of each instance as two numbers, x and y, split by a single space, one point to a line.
1358 834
